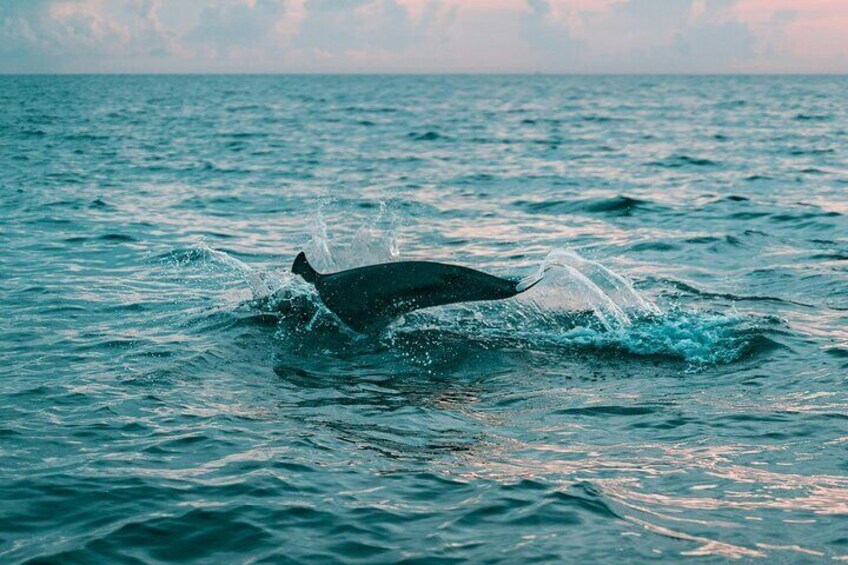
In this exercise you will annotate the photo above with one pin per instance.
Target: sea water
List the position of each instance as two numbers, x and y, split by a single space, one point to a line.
674 389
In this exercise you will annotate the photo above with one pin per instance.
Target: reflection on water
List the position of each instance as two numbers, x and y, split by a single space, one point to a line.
673 388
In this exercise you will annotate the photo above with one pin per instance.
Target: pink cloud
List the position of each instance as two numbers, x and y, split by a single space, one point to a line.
808 36
428 35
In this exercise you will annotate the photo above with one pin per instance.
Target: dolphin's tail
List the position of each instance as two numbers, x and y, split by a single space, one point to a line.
302 267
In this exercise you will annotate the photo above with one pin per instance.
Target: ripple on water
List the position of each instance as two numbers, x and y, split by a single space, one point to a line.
168 400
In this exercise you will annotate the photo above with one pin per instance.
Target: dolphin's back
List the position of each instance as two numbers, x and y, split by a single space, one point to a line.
370 296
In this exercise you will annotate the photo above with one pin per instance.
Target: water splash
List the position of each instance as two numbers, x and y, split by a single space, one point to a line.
577 303
580 303
699 339
262 283
318 248
376 240
573 282
617 287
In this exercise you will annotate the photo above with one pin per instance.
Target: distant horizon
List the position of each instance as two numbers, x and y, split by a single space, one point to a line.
414 37
436 73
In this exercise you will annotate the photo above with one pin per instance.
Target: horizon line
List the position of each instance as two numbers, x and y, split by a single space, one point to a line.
423 73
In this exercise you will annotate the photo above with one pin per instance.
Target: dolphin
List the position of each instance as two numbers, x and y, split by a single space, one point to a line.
366 298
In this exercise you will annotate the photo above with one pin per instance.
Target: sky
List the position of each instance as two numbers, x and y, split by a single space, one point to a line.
424 36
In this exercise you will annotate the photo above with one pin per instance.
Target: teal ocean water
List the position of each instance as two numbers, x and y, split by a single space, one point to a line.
674 390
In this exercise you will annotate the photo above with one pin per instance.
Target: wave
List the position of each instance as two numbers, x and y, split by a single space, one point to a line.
426 136
812 117
689 289
680 161
618 205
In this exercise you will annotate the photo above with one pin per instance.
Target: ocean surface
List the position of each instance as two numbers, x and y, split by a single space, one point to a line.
674 389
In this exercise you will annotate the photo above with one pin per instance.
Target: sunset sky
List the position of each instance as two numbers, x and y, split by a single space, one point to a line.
554 36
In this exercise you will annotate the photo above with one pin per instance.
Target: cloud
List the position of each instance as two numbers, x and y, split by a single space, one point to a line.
51 36
423 35
549 39
23 44
335 26
807 36
225 24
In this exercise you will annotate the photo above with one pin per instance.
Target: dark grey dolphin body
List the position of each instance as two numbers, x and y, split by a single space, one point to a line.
368 297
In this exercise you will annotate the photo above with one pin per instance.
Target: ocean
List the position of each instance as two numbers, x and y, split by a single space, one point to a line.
674 389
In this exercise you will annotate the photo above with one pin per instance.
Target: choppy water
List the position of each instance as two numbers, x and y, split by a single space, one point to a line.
168 392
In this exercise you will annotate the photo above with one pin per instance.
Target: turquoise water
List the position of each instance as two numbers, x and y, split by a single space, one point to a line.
673 390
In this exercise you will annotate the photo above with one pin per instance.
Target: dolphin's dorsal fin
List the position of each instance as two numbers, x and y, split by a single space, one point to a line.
302 267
